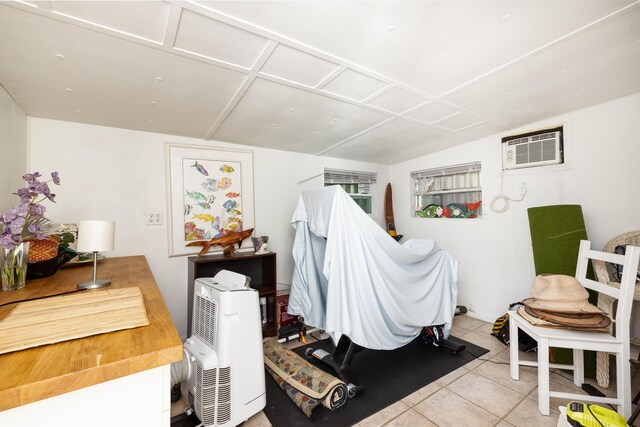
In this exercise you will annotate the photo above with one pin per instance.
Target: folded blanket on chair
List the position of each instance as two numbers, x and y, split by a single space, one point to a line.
305 384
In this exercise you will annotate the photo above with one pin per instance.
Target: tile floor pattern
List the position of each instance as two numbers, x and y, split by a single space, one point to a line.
480 393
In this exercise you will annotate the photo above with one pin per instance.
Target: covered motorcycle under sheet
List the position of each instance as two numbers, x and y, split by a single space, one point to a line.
352 278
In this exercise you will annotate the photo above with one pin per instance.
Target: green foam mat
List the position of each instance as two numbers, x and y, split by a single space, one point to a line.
556 232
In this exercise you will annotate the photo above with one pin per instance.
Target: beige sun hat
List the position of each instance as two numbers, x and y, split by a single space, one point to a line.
559 293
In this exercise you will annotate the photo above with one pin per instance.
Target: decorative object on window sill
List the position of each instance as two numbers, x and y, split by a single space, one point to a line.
452 210
227 242
264 249
20 225
94 237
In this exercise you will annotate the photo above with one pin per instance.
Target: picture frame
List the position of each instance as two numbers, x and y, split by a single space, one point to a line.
209 191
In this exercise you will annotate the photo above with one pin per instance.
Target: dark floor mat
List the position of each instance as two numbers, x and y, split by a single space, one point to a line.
387 376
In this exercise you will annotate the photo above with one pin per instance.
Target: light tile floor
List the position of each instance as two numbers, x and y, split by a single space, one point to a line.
480 393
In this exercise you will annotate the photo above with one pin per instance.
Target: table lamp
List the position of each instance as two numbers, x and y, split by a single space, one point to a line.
95 236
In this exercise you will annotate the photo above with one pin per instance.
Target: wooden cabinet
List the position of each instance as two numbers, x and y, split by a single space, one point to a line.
261 269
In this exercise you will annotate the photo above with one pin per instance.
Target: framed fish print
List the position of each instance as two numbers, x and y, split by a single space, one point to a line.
209 193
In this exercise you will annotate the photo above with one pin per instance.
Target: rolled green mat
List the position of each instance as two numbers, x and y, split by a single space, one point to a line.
556 232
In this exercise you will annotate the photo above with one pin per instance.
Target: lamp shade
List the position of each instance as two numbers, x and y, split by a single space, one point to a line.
96 236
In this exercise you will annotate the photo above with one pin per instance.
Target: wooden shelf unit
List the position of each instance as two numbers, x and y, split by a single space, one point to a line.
261 269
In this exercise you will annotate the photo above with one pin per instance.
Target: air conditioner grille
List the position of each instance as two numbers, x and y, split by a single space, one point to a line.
205 320
213 395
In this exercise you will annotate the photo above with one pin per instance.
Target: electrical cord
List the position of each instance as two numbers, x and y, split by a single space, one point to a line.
506 199
43 297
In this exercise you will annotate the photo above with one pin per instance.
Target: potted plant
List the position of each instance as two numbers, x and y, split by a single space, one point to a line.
20 225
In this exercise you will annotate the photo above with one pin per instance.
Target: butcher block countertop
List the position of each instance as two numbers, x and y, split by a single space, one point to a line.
38 373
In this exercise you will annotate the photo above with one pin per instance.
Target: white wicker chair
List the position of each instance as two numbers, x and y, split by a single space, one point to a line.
605 302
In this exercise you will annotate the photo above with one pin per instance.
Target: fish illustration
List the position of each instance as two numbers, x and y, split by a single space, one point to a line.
226 169
200 168
232 194
195 195
205 217
204 205
230 205
187 209
210 184
211 198
237 212
224 183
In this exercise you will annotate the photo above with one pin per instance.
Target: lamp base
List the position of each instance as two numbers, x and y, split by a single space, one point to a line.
94 284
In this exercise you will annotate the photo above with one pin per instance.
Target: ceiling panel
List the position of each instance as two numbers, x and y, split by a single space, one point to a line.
142 19
586 69
354 85
432 112
459 121
481 130
432 45
291 64
396 100
278 116
102 83
396 141
216 40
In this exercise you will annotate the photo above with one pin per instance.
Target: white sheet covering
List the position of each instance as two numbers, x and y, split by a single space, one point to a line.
352 278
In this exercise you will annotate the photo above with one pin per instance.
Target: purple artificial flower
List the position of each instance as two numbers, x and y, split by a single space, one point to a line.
35 229
7 241
28 216
36 211
26 195
30 177
16 226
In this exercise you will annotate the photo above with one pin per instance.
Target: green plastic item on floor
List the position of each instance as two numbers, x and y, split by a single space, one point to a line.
556 232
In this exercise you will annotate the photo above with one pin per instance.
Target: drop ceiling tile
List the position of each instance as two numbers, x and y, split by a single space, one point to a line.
434 46
296 66
142 19
459 121
105 88
432 112
396 141
396 100
482 129
216 40
277 116
592 67
354 85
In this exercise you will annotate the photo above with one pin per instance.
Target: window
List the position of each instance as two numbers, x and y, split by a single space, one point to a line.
359 185
448 192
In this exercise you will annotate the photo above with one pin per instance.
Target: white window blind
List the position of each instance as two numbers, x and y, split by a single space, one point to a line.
338 176
449 170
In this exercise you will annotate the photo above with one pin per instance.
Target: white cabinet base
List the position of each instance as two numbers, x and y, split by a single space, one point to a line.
141 399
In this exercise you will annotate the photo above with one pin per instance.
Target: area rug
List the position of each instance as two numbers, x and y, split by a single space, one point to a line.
387 376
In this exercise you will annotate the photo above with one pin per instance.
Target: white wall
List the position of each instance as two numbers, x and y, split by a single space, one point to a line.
13 150
603 175
110 173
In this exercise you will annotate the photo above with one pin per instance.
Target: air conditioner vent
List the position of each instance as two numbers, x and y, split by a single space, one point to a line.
538 148
205 320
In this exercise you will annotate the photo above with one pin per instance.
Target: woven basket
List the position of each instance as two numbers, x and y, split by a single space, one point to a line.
43 249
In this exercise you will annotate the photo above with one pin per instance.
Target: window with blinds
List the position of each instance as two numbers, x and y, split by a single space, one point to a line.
359 185
448 192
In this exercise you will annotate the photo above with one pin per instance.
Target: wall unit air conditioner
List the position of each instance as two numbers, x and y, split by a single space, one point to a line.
225 379
539 148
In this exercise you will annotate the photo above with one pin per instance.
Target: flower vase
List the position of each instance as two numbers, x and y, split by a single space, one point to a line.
13 266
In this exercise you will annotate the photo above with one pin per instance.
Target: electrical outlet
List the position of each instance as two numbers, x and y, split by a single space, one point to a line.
523 189
154 218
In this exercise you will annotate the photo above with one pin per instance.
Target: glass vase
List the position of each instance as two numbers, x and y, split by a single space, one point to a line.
13 267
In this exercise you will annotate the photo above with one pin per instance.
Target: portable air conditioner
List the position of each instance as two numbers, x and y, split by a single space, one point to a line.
539 148
225 378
